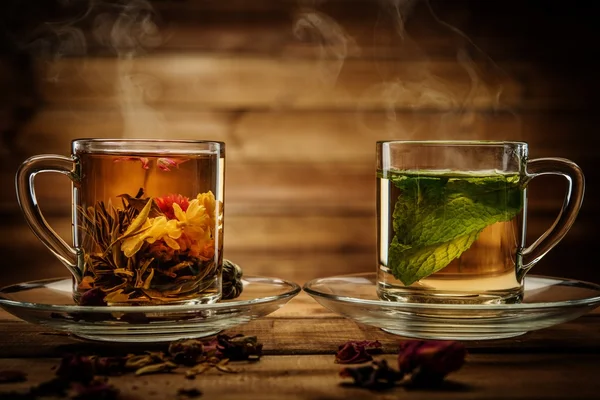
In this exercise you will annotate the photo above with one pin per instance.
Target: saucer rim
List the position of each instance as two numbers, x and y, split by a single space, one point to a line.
294 289
480 307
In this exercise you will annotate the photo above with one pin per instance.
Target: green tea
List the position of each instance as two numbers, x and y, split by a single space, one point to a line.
150 228
448 231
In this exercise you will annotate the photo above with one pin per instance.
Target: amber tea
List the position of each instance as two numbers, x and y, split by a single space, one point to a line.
149 227
446 234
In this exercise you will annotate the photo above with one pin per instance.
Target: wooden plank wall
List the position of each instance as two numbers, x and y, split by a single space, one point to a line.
300 92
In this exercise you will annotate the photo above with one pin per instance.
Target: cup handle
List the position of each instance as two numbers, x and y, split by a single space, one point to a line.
27 200
573 200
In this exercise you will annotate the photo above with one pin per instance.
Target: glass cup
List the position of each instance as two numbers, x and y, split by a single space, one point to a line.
147 219
452 217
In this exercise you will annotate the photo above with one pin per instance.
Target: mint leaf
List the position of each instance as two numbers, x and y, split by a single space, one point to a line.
437 218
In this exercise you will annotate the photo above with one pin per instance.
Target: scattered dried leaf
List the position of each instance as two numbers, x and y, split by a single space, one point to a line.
156 368
239 347
377 376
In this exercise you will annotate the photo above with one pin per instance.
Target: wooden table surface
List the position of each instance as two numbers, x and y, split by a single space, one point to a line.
300 341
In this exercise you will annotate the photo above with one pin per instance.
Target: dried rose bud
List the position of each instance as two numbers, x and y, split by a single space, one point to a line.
430 360
239 347
210 347
356 352
379 375
93 297
76 368
186 351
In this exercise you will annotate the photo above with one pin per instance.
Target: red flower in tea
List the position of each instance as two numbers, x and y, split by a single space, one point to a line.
165 204
166 164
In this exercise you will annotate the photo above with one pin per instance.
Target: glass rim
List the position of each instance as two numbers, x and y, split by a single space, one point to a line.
150 146
490 143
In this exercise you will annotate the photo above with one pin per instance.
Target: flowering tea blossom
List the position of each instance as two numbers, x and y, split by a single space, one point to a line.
190 229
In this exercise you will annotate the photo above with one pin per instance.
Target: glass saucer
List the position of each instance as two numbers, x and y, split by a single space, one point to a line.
49 303
547 301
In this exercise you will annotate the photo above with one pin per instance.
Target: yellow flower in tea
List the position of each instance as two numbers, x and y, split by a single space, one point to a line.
153 229
194 221
208 201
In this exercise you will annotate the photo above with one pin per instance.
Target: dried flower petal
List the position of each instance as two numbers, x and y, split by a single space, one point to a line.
186 351
430 360
12 376
165 204
239 347
356 352
376 376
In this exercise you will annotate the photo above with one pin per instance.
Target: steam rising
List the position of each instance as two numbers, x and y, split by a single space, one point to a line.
408 82
123 28
334 43
129 32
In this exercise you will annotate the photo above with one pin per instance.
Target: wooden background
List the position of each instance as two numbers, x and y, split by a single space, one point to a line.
300 91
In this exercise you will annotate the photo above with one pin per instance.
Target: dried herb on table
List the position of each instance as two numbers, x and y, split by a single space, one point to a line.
421 363
429 361
377 376
357 352
239 347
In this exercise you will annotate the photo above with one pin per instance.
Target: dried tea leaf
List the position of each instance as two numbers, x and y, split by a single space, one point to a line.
139 220
138 361
191 373
139 204
148 279
222 366
156 368
118 296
